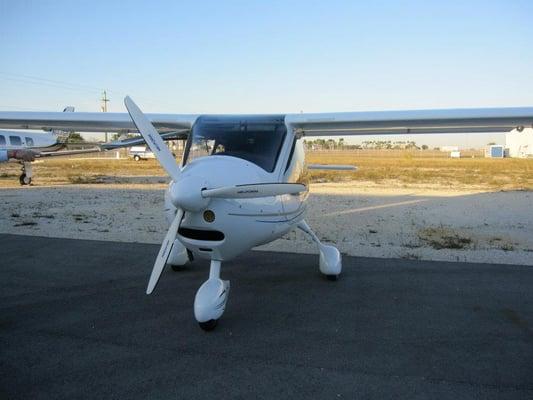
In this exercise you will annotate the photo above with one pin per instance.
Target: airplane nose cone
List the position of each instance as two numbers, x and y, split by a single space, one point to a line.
187 193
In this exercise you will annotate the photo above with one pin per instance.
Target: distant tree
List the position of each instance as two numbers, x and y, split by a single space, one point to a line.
122 136
425 147
491 144
411 145
75 137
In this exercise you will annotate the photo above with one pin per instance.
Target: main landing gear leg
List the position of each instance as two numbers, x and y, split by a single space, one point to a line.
330 258
178 257
211 298
26 175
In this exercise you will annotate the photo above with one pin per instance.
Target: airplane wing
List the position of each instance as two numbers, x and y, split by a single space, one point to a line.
412 122
60 153
321 124
118 144
91 122
180 134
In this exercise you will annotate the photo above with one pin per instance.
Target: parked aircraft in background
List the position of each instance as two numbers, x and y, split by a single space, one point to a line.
241 181
25 146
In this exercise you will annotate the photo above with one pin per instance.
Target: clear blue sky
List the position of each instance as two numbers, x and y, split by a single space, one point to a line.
260 57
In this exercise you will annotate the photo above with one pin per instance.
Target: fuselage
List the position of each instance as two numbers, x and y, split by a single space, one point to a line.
17 140
234 150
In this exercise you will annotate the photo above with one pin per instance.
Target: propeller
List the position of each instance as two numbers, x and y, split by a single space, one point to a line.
167 161
153 139
164 252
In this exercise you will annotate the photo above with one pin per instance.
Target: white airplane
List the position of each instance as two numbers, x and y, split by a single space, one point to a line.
241 182
25 146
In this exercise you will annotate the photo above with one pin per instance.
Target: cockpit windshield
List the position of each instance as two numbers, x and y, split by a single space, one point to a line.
257 139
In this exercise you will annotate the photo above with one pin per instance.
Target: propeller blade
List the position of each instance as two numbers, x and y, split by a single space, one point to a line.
254 190
153 139
164 252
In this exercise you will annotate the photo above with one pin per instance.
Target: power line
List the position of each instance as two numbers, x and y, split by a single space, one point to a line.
45 81
58 84
19 108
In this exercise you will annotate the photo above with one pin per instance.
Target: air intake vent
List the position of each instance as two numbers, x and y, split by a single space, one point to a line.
200 234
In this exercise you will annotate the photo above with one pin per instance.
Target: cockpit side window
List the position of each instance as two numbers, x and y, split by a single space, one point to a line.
29 142
2 140
290 155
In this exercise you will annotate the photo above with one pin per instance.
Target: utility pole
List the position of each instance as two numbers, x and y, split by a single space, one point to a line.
104 100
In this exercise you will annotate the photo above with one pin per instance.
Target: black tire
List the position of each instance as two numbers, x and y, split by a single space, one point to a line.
177 268
24 180
332 277
208 325
136 157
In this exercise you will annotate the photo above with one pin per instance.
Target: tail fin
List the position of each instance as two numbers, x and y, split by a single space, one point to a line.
62 136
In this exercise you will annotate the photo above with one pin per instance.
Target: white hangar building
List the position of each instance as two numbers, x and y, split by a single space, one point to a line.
519 144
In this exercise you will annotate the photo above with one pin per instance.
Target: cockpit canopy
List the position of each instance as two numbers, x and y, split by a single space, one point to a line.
257 139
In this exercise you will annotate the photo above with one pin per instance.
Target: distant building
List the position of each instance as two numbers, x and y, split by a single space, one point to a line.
449 149
519 144
455 154
495 151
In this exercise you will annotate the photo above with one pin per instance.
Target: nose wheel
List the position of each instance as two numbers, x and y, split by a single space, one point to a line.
26 175
211 298
24 179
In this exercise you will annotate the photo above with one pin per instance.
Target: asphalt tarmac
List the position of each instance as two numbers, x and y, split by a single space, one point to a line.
75 324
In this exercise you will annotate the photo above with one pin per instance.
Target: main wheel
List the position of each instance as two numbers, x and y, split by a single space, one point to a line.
136 157
332 277
177 268
208 325
24 179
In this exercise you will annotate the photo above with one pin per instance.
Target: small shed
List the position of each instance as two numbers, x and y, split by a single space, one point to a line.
455 154
495 151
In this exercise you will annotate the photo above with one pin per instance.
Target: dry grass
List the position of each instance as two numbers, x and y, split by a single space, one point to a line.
62 171
508 173
404 170
444 238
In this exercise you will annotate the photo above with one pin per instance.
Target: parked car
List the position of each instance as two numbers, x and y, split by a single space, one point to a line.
140 153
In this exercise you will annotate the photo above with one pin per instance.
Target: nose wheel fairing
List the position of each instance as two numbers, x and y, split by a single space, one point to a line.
211 298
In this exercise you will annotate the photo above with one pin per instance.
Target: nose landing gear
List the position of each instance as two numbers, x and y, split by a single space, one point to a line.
211 298
26 175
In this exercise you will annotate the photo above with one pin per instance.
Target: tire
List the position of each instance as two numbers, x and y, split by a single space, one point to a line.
332 277
177 268
208 325
136 157
24 180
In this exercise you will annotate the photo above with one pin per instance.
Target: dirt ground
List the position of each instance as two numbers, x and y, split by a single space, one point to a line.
361 218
